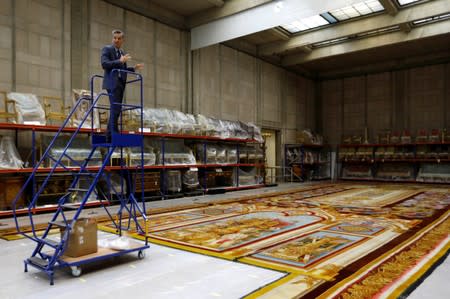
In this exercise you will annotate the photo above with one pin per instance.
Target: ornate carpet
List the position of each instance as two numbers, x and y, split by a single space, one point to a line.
332 241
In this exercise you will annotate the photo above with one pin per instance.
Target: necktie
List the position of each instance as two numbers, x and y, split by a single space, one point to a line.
119 54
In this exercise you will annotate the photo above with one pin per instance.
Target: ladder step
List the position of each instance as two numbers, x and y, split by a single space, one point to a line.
70 206
50 242
77 189
37 261
61 223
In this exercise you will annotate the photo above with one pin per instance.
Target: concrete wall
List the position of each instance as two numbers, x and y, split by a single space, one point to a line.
32 47
228 84
49 47
416 98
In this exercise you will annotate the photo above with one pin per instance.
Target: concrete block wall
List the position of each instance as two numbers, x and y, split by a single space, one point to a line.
6 42
413 99
39 59
229 84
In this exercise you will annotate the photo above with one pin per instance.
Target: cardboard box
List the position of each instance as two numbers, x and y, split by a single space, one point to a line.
82 239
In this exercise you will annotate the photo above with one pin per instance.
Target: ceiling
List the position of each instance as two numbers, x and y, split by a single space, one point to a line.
365 47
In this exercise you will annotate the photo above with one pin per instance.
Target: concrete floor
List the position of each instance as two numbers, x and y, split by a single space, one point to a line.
164 273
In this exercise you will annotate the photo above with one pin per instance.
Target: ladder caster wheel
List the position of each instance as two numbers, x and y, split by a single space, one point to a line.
141 254
76 271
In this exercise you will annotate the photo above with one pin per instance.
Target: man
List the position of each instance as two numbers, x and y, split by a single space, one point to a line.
113 57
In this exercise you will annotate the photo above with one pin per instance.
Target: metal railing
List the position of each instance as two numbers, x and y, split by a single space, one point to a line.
276 174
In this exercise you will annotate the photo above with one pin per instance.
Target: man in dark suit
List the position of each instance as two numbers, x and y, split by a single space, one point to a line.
113 57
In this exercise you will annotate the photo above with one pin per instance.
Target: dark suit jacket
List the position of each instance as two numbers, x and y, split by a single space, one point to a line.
111 61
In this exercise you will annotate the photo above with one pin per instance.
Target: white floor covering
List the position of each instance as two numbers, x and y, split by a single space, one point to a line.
163 273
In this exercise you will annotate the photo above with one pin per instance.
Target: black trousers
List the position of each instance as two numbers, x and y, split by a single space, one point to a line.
115 97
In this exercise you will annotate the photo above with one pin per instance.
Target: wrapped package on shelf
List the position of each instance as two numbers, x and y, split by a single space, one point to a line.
29 109
9 156
221 155
434 173
256 132
135 156
159 120
186 122
210 126
211 153
77 154
79 150
248 177
190 180
243 130
177 153
83 108
173 181
390 171
231 155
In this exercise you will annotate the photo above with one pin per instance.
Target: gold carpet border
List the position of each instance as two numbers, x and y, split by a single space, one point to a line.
386 273
420 272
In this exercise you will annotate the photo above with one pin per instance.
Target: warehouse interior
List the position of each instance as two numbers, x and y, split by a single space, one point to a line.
290 149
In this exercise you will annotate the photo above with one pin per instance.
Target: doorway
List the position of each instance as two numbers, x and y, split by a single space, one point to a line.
270 137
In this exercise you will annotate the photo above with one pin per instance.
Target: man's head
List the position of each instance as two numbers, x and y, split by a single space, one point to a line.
117 38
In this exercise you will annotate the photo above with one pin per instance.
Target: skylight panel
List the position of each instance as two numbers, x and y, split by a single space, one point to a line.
404 2
357 10
306 23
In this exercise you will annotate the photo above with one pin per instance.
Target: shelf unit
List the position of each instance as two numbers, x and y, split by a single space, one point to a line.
427 162
162 168
308 161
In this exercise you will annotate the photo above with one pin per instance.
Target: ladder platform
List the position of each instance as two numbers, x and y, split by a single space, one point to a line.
123 140
37 261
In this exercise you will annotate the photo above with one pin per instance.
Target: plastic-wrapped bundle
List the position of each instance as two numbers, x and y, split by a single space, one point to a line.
190 180
186 123
83 108
211 127
256 132
232 155
241 130
135 156
248 177
9 156
173 180
77 154
221 155
28 107
159 119
211 153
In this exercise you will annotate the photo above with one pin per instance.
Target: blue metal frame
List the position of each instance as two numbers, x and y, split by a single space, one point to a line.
134 207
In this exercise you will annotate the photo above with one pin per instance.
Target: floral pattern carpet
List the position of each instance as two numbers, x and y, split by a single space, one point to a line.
332 240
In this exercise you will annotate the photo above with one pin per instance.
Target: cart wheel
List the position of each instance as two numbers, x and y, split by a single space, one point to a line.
76 271
141 254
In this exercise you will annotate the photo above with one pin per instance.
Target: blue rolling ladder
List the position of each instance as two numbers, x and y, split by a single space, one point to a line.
47 254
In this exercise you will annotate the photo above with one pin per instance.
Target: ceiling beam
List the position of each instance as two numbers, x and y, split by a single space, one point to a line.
280 33
256 19
153 11
389 6
405 15
228 8
369 43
